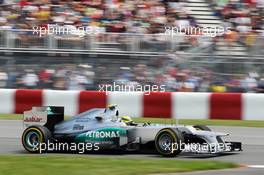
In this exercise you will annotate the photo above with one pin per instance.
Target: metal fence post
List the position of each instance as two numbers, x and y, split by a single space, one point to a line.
52 41
135 45
9 41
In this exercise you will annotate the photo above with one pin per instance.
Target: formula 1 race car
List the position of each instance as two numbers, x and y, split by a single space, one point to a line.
104 129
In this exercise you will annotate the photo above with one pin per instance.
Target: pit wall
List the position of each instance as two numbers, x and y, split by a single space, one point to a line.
181 105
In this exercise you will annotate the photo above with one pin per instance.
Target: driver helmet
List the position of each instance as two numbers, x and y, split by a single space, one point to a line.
126 119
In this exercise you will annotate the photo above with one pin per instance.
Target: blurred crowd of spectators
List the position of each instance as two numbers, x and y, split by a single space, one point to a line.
172 78
125 16
69 77
244 17
116 16
111 16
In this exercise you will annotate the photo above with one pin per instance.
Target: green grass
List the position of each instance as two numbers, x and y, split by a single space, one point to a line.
83 165
247 123
11 116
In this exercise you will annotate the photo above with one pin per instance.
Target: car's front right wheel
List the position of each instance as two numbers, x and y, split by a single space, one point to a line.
168 142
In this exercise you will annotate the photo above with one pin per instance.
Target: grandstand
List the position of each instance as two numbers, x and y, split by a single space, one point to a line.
131 45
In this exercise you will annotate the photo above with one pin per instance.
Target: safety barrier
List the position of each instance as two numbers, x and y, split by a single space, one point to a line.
233 106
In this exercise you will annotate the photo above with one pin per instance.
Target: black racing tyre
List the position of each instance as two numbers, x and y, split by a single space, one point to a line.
33 136
168 142
202 127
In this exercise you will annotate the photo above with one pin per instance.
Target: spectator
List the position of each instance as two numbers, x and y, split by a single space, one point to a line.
3 79
30 79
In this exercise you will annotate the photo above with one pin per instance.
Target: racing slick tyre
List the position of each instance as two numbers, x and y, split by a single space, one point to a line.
168 142
202 127
33 136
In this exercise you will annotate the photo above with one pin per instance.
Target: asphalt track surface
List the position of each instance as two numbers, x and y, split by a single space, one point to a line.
251 138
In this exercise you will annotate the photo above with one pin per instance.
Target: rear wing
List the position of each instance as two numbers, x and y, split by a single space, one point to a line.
46 116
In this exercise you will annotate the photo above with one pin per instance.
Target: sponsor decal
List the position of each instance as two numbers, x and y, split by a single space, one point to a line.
103 134
78 127
33 119
84 120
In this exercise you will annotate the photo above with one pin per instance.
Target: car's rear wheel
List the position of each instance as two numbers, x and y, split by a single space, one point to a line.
34 136
168 142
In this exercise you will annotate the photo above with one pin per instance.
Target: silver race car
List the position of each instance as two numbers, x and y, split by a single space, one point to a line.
104 129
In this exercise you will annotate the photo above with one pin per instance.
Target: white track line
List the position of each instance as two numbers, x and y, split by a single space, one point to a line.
255 166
